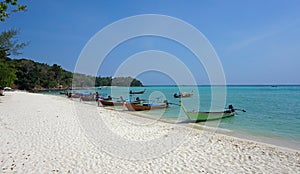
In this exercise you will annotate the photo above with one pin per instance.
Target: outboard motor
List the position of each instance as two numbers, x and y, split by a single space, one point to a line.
230 107
166 102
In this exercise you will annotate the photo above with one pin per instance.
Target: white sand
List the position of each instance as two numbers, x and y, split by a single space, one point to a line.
50 134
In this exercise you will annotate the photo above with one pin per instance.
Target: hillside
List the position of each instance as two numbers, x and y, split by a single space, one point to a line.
29 75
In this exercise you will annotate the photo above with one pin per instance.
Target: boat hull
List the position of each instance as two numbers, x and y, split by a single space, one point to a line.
139 107
137 92
110 103
206 116
182 95
91 98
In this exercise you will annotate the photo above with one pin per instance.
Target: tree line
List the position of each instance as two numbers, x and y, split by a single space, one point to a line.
28 75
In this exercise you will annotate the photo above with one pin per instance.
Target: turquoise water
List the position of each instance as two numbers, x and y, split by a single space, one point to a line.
272 111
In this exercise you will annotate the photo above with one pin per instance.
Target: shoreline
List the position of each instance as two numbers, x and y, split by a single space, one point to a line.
45 133
272 141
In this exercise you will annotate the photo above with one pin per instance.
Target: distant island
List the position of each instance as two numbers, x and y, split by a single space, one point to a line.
33 76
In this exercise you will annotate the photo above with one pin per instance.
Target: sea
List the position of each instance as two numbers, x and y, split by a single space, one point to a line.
272 111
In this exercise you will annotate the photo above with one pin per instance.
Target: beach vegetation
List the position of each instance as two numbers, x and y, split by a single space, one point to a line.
7 7
9 44
7 75
82 80
28 75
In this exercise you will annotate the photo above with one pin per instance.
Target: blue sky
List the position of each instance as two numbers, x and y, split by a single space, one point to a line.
258 42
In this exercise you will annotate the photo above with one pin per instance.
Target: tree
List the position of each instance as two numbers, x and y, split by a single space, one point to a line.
57 72
9 45
7 75
6 5
136 82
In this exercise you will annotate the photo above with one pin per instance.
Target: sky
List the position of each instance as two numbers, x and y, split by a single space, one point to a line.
257 42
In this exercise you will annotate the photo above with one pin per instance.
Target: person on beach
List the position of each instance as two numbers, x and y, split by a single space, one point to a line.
96 96
124 103
99 102
122 99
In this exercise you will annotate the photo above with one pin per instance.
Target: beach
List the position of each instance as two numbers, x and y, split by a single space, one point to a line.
51 134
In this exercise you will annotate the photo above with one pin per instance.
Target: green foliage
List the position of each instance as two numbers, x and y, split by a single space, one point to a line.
9 45
135 82
31 76
125 81
81 80
7 74
7 7
103 81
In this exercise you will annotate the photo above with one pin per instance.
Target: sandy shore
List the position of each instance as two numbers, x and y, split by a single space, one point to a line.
51 134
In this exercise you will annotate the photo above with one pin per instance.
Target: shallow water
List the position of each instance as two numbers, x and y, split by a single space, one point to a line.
272 111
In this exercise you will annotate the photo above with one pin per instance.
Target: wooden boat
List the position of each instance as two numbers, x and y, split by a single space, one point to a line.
90 97
206 116
137 92
111 103
83 96
145 107
182 95
107 98
71 95
87 98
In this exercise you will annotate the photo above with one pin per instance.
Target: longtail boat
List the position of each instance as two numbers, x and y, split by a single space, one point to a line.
145 107
87 98
137 92
182 95
206 116
111 103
